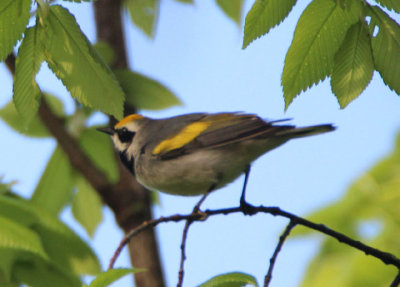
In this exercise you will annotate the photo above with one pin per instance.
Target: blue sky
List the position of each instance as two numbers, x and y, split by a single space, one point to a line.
197 54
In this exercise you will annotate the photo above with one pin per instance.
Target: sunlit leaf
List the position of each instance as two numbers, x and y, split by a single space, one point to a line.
105 51
263 16
14 16
319 33
232 9
106 278
234 279
145 93
353 66
30 56
144 14
386 48
87 206
72 58
54 189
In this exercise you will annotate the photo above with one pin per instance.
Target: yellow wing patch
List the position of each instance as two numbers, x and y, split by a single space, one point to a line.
185 136
128 119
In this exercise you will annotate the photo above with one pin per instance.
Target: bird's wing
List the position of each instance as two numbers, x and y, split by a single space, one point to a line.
215 130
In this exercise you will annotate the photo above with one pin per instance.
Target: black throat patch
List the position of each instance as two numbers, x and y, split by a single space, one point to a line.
128 163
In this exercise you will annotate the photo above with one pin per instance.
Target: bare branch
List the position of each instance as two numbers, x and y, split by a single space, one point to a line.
278 247
385 257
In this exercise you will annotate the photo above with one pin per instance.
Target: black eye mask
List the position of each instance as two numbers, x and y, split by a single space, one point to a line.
124 135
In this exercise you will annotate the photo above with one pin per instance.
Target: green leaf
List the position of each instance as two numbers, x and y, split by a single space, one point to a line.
87 206
30 56
185 1
101 151
15 241
76 63
39 273
263 16
14 16
60 243
106 278
386 48
105 51
353 65
234 279
35 129
319 33
232 9
145 93
390 4
54 189
144 14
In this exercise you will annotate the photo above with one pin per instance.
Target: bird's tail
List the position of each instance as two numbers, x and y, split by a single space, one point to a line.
307 131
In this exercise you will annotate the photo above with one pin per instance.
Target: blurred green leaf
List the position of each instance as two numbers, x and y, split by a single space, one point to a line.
101 151
87 206
14 16
232 8
76 63
375 197
145 93
40 273
106 278
26 92
234 279
62 246
105 51
185 1
390 4
319 33
144 14
263 16
386 47
35 129
15 241
353 65
54 189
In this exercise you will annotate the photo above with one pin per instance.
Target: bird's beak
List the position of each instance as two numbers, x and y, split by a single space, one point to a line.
106 130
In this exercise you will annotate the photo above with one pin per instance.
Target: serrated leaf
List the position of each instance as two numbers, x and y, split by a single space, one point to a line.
390 4
26 92
72 58
263 16
319 33
101 152
106 278
144 14
35 129
145 93
54 189
232 9
105 51
87 206
14 16
386 48
353 65
234 279
60 243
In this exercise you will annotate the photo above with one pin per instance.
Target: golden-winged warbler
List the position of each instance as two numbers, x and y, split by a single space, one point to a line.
196 153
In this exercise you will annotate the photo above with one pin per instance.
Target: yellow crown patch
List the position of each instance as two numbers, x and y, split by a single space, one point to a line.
128 119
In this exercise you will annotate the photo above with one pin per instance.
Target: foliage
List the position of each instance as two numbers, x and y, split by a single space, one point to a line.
369 211
345 40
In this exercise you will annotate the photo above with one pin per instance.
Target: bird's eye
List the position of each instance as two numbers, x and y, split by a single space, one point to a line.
124 135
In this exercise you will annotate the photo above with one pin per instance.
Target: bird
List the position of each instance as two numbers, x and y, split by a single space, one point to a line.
197 153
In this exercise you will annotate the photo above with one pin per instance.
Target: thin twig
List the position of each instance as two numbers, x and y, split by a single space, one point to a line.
396 281
385 257
278 247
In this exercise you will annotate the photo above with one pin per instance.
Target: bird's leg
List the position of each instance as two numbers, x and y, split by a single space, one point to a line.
203 198
247 208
